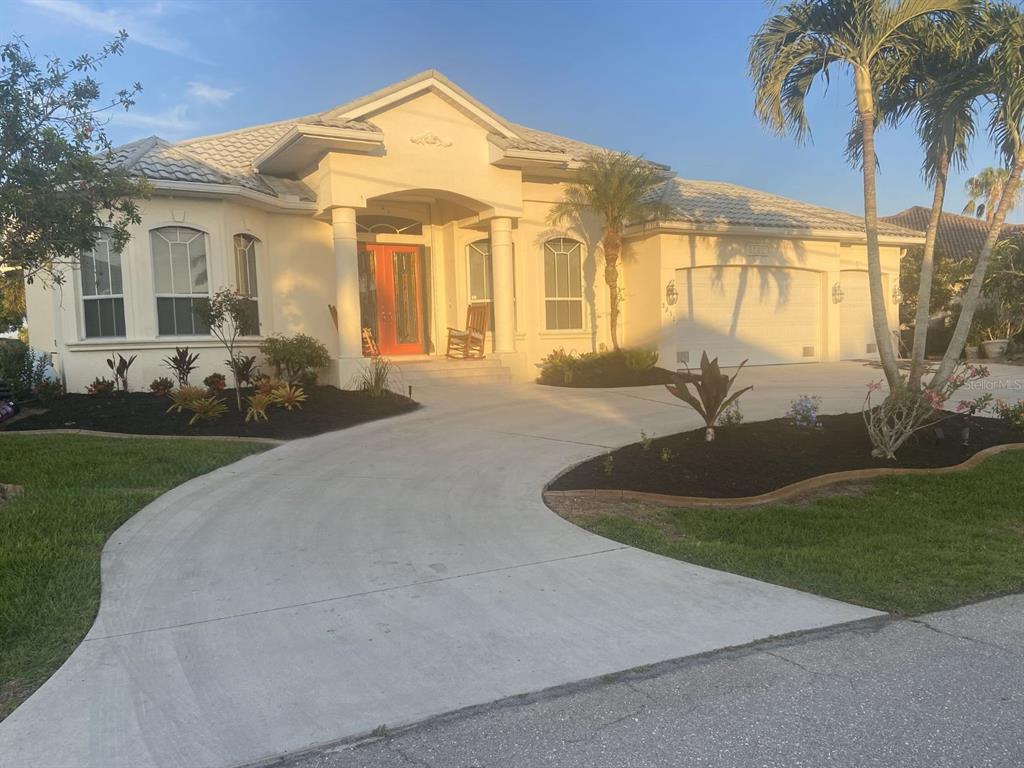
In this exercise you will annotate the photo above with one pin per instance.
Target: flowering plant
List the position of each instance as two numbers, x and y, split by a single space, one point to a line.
803 412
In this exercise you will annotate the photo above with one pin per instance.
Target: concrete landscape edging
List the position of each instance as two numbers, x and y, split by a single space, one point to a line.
785 493
97 433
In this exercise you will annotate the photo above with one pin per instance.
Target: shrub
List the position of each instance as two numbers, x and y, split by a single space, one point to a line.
119 364
184 396
100 387
296 357
243 368
161 386
258 404
22 367
206 409
375 378
265 385
215 382
1011 413
559 368
640 358
288 396
711 395
731 416
804 411
45 391
182 363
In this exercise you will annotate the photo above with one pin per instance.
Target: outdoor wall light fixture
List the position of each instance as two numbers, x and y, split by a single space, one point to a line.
837 293
671 294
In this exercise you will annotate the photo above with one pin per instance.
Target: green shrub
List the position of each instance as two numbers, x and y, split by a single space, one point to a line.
215 382
161 386
1011 413
100 387
641 358
46 391
296 357
22 367
375 378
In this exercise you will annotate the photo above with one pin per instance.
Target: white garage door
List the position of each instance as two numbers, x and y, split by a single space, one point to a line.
764 314
856 334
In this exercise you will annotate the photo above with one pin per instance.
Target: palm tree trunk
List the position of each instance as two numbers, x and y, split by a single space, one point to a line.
973 296
924 291
612 246
879 317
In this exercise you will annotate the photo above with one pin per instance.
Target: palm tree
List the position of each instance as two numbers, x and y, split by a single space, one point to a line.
984 192
806 41
1003 86
619 189
938 85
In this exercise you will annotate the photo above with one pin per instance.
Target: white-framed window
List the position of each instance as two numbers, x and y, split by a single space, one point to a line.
102 291
481 276
246 282
180 276
563 284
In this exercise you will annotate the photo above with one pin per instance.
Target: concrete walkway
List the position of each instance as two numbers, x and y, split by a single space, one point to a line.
387 573
940 691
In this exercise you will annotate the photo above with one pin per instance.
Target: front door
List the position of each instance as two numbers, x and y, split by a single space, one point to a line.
392 298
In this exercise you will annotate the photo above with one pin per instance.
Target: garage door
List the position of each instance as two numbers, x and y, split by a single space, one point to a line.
764 314
856 334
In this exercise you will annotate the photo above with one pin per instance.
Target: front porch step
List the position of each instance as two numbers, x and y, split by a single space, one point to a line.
438 371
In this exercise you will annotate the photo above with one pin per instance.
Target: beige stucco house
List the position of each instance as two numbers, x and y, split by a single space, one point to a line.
395 211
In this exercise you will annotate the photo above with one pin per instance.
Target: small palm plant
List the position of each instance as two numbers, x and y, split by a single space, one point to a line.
619 189
710 396
288 396
184 396
258 405
206 409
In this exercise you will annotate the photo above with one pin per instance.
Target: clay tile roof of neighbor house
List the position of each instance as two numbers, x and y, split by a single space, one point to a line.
711 203
959 237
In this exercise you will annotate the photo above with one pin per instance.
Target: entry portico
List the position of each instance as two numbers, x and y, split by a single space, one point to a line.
381 220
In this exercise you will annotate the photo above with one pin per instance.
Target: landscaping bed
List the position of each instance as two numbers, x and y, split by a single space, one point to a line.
757 457
144 413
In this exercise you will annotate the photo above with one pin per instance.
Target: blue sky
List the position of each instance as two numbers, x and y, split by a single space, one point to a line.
663 79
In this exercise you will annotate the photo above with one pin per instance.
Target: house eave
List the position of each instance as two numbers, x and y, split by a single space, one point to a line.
205 190
304 144
789 233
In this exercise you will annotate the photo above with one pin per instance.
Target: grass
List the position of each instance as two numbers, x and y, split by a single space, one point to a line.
906 545
78 490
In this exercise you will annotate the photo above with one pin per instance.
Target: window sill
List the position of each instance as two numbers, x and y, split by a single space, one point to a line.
163 342
565 334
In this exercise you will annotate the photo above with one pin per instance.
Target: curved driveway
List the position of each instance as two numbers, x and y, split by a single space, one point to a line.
386 573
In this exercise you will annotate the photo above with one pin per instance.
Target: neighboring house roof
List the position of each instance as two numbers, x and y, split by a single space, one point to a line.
959 237
716 203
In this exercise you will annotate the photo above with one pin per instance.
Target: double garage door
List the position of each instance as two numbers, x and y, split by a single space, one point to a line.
766 315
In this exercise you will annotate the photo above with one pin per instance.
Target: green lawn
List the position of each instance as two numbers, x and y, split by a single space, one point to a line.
906 545
78 490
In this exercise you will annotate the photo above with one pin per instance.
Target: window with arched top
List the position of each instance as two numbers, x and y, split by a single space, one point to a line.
102 291
563 284
387 225
180 277
246 282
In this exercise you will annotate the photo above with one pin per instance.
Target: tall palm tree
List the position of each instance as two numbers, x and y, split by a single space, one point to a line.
984 192
806 41
619 189
1003 85
938 86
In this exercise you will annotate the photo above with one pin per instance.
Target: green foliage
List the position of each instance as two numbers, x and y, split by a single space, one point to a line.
46 391
184 396
21 367
375 378
1004 291
229 314
120 365
161 386
948 278
206 409
215 382
711 391
288 396
58 191
1011 413
100 387
12 300
182 363
243 368
731 416
296 356
640 358
258 405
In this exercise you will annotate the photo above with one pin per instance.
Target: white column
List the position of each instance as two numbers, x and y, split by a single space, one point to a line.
346 282
504 300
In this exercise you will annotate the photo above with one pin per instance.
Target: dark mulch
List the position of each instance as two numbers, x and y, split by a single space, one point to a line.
761 456
143 413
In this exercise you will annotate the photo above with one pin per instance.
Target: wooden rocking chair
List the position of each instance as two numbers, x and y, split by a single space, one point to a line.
470 342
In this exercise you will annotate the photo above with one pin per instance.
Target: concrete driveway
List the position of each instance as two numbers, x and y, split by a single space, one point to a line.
390 572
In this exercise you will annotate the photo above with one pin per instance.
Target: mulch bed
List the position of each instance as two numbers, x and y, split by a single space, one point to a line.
144 413
762 456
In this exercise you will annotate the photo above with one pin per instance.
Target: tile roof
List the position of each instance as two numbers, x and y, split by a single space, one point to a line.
716 202
959 237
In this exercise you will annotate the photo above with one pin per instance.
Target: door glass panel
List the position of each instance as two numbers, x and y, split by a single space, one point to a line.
407 326
368 292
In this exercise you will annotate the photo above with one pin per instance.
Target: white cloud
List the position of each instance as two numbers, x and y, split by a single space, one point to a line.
171 123
211 94
137 20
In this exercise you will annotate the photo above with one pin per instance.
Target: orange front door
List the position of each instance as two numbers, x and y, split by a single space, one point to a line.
399 305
